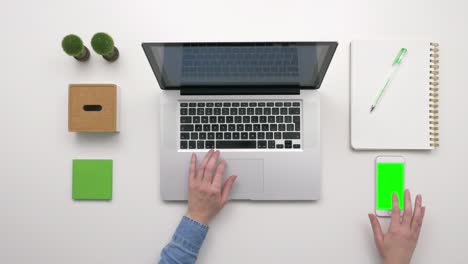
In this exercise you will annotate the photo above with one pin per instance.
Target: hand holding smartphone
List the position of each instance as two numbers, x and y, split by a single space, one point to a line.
389 179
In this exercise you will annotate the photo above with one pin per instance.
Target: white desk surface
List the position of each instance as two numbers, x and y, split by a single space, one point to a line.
40 223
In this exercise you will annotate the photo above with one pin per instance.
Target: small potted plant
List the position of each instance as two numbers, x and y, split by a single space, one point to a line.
73 46
103 44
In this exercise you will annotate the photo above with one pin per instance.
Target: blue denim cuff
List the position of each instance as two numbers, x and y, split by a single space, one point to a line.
190 234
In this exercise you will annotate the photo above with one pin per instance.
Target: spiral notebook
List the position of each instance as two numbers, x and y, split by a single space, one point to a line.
407 114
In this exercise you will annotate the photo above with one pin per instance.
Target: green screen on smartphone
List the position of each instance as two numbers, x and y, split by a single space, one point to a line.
390 179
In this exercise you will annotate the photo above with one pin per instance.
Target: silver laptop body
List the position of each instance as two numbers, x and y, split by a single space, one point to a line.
256 102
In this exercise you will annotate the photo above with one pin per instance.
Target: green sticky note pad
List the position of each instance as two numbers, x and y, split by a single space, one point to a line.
92 179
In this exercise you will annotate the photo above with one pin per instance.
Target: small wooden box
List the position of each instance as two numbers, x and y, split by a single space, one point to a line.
93 108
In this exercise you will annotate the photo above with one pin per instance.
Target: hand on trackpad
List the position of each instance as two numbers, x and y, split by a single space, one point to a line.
249 174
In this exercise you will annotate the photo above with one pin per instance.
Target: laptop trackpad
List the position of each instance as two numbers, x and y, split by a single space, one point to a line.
249 177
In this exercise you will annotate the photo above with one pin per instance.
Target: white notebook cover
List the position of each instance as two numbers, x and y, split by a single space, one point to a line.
402 119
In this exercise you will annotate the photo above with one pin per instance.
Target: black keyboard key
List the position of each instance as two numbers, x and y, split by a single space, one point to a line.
248 127
206 128
235 135
250 111
218 104
259 111
219 135
223 127
209 104
240 127
186 128
211 135
253 104
202 136
192 104
183 144
200 144
242 111
192 111
246 119
229 119
288 144
256 127
278 104
244 135
281 127
261 104
284 111
273 127
227 104
196 119
244 104
209 111
296 104
288 104
215 128
265 127
290 127
263 119
193 135
183 104
261 135
296 119
183 111
296 146
204 119
232 127
275 111
235 104
279 146
277 135
252 135
298 127
254 119
279 119
185 119
294 111
238 119
184 135
225 111
270 104
271 144
288 119
198 128
271 119
200 111
291 135
267 111
239 144
192 144
209 144
201 104
227 135
217 111
262 144
233 111
221 119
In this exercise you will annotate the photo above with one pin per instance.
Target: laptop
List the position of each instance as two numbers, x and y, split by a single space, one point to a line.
256 102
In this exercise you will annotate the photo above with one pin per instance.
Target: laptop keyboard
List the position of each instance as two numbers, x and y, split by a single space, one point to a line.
240 125
245 62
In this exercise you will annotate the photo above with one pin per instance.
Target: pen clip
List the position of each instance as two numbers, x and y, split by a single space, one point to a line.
399 56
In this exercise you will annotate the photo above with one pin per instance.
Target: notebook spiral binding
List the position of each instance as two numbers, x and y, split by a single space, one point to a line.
434 96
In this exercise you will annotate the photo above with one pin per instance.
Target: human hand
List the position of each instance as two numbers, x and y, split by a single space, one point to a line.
207 194
398 244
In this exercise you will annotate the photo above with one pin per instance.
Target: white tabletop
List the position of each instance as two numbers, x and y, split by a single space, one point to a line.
40 223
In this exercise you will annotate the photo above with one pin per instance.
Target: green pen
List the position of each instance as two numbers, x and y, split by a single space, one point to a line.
396 63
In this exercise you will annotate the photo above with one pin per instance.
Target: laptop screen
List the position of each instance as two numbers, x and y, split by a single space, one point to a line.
284 64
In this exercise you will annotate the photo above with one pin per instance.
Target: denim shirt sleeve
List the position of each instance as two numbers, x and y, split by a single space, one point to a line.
185 244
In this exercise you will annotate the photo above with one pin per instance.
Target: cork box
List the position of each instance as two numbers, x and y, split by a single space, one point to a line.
93 108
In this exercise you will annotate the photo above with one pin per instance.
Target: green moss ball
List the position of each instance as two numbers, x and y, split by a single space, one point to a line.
102 43
72 45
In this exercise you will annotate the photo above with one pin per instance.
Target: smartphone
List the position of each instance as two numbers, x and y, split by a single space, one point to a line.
389 179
